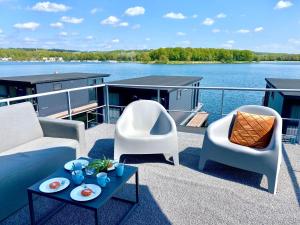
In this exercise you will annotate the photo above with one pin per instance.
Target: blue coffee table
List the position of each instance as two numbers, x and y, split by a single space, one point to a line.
107 193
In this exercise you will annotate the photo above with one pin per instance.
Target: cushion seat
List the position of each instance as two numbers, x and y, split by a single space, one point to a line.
41 144
22 166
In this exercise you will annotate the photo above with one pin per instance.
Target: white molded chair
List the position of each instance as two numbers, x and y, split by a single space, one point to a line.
217 147
145 127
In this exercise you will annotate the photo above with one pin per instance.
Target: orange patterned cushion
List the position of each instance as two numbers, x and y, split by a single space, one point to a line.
252 130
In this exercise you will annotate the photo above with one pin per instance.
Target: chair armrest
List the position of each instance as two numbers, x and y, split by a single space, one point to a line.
221 127
64 129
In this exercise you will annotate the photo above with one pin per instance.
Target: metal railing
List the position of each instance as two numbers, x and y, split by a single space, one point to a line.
106 106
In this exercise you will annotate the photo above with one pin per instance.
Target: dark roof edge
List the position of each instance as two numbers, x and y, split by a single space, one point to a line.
14 79
65 79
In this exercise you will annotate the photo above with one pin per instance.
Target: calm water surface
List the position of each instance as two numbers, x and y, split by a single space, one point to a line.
235 75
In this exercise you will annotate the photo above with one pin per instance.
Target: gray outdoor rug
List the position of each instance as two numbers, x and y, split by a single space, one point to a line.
184 195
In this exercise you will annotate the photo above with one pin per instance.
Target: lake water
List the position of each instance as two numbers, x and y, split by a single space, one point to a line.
221 75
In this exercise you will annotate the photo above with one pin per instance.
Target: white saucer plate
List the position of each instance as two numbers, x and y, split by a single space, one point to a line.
64 183
69 165
113 166
77 196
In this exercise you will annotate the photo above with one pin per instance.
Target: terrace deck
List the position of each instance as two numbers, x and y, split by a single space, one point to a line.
184 195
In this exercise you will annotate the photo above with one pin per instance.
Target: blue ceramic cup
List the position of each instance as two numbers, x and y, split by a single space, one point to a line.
119 169
77 177
102 179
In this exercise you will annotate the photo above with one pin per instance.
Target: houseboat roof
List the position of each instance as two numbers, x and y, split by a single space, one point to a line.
159 80
280 83
46 78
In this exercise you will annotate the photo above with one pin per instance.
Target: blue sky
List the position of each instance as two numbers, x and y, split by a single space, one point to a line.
259 25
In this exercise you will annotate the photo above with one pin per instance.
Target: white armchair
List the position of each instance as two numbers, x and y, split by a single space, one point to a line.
217 147
145 127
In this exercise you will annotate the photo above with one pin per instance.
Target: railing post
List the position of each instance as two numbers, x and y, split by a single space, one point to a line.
106 98
222 103
8 102
87 120
158 95
69 105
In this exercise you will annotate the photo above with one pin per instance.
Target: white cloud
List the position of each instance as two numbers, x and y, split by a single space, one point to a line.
123 24
243 31
27 26
111 20
90 37
63 33
294 41
1 31
228 44
258 29
94 10
216 30
282 4
208 22
176 16
194 16
221 16
180 33
73 20
50 7
135 11
136 26
115 40
28 39
148 39
57 25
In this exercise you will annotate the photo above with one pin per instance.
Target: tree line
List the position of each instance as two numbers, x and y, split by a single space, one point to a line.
161 55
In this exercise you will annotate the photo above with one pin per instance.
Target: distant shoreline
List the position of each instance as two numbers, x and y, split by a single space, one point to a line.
149 63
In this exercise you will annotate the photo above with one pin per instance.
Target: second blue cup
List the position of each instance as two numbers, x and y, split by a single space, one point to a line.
102 179
119 169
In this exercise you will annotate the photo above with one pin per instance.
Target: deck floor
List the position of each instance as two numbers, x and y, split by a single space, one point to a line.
183 195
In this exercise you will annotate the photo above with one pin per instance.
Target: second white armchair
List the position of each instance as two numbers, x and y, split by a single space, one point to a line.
217 147
145 127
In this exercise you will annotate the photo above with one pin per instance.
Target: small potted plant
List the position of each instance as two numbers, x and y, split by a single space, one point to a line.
101 165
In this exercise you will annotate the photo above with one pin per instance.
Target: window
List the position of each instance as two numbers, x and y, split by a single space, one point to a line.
57 86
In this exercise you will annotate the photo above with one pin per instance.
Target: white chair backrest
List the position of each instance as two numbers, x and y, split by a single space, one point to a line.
144 113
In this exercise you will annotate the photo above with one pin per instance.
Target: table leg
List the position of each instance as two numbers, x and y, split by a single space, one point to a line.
137 186
96 217
31 209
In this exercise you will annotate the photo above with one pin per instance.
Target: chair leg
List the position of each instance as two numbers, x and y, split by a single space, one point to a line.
176 159
272 182
202 162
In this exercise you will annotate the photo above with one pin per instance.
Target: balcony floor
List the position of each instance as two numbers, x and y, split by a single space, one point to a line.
184 195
